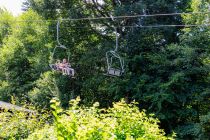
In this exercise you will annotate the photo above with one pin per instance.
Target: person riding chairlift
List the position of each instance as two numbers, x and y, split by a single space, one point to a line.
65 67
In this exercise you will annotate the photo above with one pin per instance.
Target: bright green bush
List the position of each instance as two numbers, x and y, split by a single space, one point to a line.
46 133
122 121
18 125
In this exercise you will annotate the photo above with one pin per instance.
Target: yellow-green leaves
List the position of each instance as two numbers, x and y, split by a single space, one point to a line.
122 121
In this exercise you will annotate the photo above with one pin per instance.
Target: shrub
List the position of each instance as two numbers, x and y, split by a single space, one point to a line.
122 121
17 125
46 133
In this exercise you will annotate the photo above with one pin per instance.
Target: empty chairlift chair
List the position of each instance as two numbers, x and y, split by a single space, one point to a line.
115 64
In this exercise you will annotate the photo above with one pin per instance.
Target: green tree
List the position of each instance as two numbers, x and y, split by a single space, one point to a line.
24 56
44 90
196 125
6 23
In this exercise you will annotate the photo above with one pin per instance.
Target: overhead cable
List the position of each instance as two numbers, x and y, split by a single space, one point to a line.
113 17
159 26
135 16
137 26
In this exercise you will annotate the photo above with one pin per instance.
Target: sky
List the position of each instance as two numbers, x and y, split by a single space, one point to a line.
14 6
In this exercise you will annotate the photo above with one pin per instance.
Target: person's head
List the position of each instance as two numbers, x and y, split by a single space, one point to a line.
64 61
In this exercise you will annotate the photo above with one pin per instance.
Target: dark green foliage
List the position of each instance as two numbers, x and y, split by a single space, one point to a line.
45 89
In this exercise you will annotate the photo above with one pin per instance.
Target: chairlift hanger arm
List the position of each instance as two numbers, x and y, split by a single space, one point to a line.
116 34
58 31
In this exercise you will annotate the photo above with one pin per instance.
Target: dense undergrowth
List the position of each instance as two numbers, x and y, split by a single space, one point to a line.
120 122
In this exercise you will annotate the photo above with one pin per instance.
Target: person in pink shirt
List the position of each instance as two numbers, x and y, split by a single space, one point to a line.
66 67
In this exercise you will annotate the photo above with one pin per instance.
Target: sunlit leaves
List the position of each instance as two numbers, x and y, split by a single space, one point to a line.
123 121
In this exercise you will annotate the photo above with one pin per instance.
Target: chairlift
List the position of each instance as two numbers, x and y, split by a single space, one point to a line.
55 65
115 63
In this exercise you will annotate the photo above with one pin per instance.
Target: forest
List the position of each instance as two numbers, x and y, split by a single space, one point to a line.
159 90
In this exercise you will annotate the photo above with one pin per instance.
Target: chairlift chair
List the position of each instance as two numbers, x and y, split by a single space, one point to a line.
113 70
53 66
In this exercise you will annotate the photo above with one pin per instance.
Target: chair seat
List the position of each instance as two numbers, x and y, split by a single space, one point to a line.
114 72
53 67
